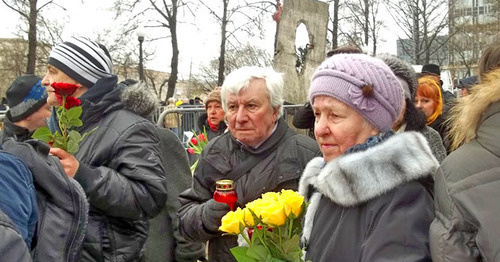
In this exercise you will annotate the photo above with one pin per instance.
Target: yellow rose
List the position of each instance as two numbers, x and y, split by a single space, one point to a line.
248 218
272 196
273 214
257 205
231 221
292 202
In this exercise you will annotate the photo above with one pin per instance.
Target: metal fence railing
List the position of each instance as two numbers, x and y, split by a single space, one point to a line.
2 117
187 120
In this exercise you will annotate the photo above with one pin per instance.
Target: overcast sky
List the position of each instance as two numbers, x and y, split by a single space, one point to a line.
197 44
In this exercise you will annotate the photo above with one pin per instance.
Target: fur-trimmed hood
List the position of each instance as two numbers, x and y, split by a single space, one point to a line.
355 178
140 99
402 69
470 111
107 96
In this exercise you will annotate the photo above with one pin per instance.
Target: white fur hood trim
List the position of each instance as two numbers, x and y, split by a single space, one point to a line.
355 178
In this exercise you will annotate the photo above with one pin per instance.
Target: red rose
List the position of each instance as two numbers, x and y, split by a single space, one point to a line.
64 89
201 137
191 151
71 102
194 141
59 99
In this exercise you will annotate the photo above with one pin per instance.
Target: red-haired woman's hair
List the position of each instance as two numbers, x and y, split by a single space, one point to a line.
429 88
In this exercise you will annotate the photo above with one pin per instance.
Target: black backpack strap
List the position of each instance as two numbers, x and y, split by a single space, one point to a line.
238 171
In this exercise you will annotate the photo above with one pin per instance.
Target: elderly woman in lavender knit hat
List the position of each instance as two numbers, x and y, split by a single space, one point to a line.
367 196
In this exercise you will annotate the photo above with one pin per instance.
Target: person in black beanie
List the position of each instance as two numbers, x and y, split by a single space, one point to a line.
433 72
61 203
465 85
411 118
28 108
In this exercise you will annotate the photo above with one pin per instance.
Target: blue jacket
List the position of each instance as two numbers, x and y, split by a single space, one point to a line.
17 195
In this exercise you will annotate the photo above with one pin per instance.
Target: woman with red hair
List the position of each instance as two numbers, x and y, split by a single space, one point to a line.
429 100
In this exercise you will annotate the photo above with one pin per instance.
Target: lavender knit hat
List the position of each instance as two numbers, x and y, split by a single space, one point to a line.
364 83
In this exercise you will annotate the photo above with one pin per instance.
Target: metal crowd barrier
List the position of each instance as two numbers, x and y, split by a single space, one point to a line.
2 117
187 120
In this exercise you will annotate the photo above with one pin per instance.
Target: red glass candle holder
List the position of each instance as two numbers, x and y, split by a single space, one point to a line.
225 193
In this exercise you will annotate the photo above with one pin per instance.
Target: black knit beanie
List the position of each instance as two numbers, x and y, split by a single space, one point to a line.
25 96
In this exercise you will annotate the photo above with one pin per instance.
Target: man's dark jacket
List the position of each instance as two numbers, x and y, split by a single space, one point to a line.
284 156
120 170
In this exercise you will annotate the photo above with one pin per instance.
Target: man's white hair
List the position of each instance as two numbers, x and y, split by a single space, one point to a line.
240 78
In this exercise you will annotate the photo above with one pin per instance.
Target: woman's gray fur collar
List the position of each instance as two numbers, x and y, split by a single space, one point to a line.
139 99
352 179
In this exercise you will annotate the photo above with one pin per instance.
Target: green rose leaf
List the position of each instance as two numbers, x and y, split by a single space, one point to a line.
240 253
258 252
291 245
72 147
74 113
74 122
57 137
74 136
42 134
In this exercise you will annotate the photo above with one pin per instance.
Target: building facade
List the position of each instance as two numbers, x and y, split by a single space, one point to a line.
473 24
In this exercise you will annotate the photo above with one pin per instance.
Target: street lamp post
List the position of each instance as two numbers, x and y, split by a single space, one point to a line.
140 37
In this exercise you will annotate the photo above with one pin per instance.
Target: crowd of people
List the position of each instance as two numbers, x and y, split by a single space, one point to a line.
394 167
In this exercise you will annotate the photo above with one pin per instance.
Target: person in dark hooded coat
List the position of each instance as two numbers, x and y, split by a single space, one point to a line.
119 164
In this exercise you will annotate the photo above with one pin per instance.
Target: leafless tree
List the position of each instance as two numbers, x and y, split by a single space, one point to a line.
362 24
155 14
334 18
236 16
422 21
235 58
30 13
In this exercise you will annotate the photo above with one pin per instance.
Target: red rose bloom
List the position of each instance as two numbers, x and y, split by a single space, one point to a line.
59 99
64 89
71 102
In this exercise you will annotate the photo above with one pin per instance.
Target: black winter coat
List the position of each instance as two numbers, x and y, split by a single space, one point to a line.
286 152
120 170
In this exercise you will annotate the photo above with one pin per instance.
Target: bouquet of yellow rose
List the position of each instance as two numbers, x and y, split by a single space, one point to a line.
270 225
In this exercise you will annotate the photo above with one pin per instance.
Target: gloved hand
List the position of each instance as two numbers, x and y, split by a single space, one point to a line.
212 214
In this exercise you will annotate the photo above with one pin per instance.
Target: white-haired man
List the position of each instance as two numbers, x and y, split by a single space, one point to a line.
260 153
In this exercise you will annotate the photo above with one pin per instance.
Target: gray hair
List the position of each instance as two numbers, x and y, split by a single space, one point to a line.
240 78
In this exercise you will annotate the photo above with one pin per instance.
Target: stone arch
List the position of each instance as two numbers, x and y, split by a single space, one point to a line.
314 15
